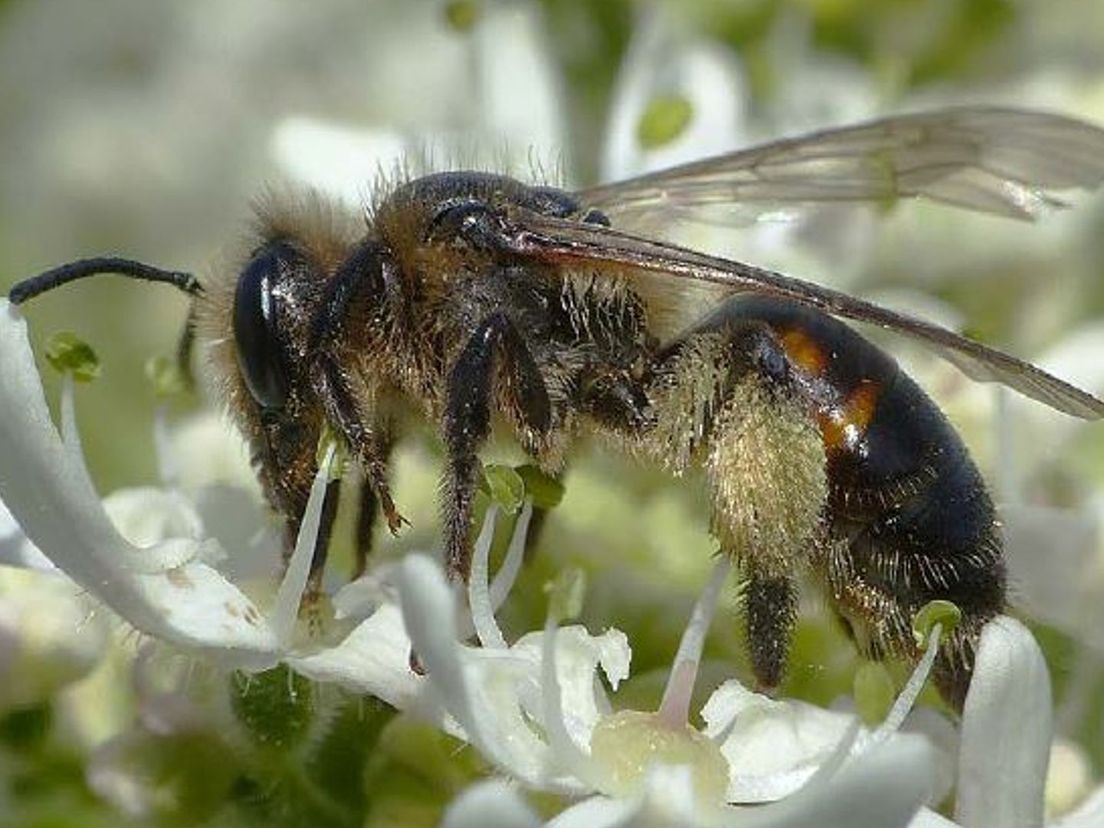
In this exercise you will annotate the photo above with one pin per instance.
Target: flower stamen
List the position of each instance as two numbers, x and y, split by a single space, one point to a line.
674 709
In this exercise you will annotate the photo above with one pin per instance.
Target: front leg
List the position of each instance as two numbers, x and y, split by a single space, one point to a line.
495 343
362 287
345 411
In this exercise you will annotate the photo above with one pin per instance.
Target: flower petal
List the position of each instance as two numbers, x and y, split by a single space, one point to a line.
772 746
285 610
504 701
373 659
16 548
578 655
52 498
478 688
490 804
479 596
1089 815
882 788
927 818
50 635
667 799
597 812
515 555
1006 731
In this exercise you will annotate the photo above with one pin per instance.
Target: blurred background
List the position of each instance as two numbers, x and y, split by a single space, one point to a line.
146 129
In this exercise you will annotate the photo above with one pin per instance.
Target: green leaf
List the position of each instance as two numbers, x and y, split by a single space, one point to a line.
338 762
69 354
664 119
275 708
545 491
944 613
26 727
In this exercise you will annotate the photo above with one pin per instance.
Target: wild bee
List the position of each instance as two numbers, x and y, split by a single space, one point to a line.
472 299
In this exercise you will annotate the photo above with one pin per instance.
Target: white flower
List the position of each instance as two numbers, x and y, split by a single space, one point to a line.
15 548
168 589
50 635
662 61
534 710
1006 740
502 62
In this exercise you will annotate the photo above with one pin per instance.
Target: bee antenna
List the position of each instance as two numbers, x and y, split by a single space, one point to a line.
71 271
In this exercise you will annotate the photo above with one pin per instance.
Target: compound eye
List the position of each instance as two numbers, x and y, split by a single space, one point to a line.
256 329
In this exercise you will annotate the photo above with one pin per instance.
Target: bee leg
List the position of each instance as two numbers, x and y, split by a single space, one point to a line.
367 511
344 412
366 522
468 418
770 610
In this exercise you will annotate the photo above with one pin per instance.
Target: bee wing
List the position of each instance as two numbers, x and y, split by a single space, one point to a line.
565 243
1001 161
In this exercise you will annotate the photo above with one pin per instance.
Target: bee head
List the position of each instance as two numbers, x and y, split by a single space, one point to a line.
263 297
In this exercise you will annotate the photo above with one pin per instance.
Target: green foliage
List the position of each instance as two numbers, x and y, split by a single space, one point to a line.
509 486
275 708
306 756
44 778
413 772
874 692
26 728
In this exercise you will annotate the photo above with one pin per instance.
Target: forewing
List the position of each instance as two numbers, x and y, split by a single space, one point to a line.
1007 162
571 244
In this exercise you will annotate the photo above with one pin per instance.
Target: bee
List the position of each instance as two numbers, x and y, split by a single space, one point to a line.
475 301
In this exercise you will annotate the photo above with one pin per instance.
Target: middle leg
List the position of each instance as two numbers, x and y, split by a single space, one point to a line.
495 348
